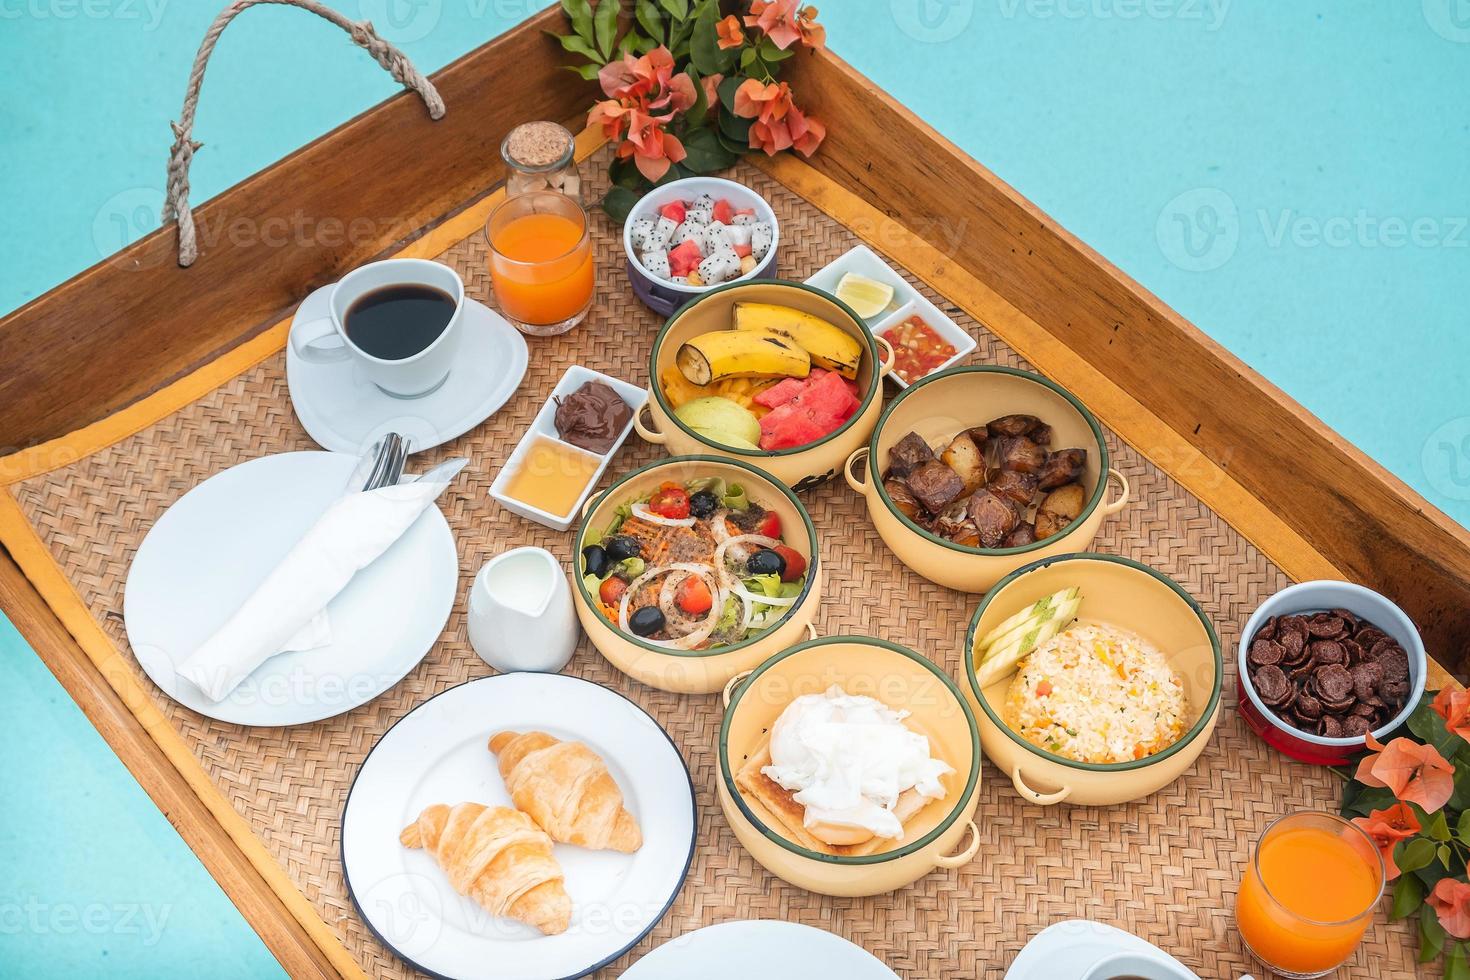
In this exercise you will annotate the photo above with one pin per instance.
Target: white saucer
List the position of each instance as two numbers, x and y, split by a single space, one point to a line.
345 412
438 753
209 551
759 950
1067 950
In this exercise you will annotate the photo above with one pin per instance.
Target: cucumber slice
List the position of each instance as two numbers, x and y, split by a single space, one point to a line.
1004 660
1043 610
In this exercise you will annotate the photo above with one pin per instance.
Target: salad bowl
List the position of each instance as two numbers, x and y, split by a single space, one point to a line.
697 671
802 467
904 681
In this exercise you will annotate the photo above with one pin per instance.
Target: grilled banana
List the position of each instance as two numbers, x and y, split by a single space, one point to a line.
829 346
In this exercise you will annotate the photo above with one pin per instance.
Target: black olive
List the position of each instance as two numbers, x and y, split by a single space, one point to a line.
646 621
766 562
621 546
703 503
594 560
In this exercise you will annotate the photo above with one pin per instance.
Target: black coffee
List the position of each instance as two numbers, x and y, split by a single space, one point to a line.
395 322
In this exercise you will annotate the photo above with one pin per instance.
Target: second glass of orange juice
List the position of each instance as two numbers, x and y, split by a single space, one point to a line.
1308 894
541 264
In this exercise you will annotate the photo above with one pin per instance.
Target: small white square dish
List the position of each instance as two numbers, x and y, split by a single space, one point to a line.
543 432
907 302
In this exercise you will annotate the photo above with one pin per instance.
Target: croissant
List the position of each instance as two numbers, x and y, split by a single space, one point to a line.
567 790
498 857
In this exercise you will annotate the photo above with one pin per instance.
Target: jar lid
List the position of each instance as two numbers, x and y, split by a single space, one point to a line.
535 147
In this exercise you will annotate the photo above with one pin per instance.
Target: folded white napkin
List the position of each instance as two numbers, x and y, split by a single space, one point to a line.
285 612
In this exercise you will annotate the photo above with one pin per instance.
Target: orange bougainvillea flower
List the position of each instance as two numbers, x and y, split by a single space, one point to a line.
652 148
786 22
1387 827
731 36
1415 773
1451 902
767 101
807 133
711 86
1454 708
648 80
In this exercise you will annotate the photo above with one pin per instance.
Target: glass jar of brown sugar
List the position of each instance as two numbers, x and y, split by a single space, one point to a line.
540 157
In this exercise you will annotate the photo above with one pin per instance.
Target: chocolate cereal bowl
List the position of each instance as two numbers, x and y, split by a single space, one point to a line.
1389 628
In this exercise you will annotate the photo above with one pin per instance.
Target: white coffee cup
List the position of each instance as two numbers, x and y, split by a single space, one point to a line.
325 339
1137 964
520 612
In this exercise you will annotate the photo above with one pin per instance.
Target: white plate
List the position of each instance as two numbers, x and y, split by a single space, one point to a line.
346 413
544 424
906 302
437 754
209 551
759 950
1067 950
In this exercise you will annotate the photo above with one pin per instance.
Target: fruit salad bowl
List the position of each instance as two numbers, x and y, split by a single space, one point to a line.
663 294
803 466
709 670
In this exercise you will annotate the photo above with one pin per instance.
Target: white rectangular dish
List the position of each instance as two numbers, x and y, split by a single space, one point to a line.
907 301
544 426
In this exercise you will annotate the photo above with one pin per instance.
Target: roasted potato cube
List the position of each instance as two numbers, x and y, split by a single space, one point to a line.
1066 501
908 454
965 458
994 518
936 485
903 499
1023 534
1062 466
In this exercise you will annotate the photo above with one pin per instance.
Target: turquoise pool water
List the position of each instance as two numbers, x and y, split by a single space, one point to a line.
1291 177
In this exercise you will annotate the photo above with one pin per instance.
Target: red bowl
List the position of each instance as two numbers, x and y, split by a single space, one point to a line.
1309 597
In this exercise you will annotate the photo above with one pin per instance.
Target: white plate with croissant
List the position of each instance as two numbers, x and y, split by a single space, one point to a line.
521 825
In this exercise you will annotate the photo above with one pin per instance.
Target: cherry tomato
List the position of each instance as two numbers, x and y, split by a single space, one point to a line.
693 596
795 564
671 501
770 525
611 591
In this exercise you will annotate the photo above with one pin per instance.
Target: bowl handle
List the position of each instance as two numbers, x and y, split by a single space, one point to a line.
648 435
732 683
963 857
860 488
592 500
1114 506
1031 795
811 632
885 365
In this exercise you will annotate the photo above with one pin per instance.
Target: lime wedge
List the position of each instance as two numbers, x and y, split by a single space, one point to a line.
867 297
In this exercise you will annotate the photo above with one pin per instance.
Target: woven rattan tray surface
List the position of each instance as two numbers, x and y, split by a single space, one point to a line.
1165 868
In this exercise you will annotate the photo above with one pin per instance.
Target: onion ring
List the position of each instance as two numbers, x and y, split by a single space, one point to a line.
689 640
642 512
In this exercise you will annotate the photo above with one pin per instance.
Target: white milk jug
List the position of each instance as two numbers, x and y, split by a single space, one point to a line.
520 612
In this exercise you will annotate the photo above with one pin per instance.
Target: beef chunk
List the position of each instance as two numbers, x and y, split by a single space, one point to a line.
936 485
908 454
1018 488
1021 455
1062 466
994 518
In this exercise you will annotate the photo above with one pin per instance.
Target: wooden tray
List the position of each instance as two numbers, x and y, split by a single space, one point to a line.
133 382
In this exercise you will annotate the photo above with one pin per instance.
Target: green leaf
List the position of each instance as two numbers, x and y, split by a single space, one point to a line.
1408 895
576 45
605 24
704 43
771 54
1431 934
624 173
1411 855
1443 853
646 11
1426 723
618 203
698 113
1359 800
746 57
678 9
1439 827
1455 967
588 72
579 13
735 127
705 154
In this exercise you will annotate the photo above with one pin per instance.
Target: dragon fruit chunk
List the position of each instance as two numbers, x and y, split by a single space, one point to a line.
761 237
639 231
656 262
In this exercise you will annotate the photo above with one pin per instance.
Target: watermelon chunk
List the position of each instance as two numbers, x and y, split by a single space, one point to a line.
674 211
723 212
742 250
819 408
780 394
685 257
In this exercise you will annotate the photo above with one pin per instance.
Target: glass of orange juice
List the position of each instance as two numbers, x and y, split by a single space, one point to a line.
541 261
1308 894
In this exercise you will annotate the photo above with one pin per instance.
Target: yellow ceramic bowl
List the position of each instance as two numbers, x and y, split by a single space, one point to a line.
899 678
1127 595
697 671
800 468
938 408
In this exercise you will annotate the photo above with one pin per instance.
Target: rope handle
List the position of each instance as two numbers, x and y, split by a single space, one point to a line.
394 61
